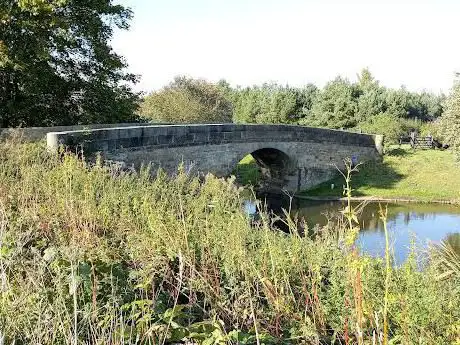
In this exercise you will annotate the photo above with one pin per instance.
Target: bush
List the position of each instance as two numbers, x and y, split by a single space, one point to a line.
390 126
188 100
449 123
393 127
429 128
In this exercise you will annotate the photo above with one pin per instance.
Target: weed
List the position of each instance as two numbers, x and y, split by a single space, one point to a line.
91 254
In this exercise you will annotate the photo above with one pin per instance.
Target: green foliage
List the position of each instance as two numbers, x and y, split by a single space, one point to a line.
247 171
397 103
371 97
370 103
426 106
187 100
340 104
449 123
390 126
56 64
92 254
336 105
428 128
272 103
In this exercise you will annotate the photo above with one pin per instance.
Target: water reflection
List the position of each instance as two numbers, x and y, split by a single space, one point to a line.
408 223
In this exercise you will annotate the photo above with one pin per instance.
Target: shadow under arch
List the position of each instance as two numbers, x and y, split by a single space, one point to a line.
273 166
274 163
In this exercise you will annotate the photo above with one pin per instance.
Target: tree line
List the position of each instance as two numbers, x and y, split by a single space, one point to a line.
362 105
57 68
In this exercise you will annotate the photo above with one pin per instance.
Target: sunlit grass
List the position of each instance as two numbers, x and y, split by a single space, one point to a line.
247 171
423 175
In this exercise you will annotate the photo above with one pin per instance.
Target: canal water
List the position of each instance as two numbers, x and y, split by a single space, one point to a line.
407 223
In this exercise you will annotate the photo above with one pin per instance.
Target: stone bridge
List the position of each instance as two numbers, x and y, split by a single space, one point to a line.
296 157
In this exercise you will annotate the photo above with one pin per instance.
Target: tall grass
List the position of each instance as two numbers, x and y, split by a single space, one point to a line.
96 255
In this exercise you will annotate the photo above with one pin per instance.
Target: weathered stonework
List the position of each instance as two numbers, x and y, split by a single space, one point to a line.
30 134
313 153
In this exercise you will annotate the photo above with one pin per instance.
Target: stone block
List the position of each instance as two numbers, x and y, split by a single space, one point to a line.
112 145
132 142
149 140
184 139
233 135
201 137
216 137
129 132
199 129
165 139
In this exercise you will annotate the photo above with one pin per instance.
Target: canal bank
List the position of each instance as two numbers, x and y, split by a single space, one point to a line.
375 199
404 175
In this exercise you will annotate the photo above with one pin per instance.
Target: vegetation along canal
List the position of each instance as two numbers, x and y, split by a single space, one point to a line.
409 224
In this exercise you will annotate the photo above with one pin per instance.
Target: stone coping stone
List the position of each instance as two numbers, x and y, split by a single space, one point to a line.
174 135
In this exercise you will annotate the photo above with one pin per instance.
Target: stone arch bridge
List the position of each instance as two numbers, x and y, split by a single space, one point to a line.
295 156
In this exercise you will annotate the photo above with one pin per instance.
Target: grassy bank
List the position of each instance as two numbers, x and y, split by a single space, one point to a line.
423 175
94 255
247 171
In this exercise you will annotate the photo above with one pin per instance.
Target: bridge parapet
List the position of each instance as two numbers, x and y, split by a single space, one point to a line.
302 157
110 139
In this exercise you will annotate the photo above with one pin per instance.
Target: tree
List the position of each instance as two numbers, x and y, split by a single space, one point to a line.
188 100
370 104
271 103
336 105
247 105
56 64
449 123
366 81
426 106
397 102
371 100
305 98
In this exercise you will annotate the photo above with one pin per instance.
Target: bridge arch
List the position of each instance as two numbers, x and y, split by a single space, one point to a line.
303 156
274 164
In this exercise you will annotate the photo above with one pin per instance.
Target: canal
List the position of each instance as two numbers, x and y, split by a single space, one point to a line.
408 223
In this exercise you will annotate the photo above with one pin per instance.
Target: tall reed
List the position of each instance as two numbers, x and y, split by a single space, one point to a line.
93 254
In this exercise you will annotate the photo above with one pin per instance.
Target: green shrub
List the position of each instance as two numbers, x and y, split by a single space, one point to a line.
449 123
429 128
390 126
393 127
188 100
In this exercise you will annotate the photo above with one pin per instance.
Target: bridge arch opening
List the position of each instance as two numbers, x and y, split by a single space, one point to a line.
265 165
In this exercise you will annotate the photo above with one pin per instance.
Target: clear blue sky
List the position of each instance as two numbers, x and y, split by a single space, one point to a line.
415 43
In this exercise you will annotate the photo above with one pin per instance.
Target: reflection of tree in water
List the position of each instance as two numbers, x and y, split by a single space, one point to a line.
410 216
373 223
406 213
407 218
400 216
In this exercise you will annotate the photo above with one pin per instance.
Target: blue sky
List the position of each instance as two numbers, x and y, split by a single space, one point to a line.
411 43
